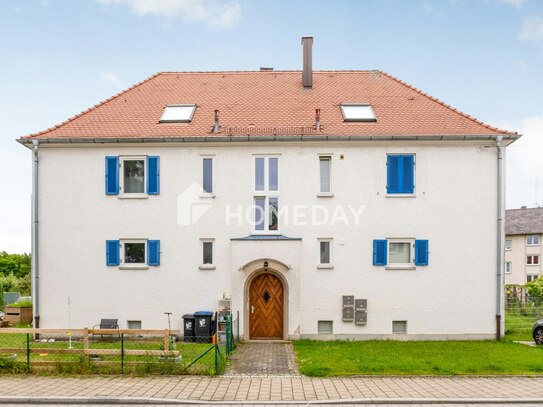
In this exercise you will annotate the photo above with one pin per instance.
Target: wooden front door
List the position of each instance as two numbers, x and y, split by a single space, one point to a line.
266 307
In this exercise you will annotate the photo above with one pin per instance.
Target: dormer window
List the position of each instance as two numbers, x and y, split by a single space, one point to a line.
178 114
357 112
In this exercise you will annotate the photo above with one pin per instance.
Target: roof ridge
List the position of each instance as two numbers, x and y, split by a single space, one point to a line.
103 102
453 109
270 72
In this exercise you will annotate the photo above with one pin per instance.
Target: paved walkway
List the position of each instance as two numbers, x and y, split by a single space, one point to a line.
263 359
417 390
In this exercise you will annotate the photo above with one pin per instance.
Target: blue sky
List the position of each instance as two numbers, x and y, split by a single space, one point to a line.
59 57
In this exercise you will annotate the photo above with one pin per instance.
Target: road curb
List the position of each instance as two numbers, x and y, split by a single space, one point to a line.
361 401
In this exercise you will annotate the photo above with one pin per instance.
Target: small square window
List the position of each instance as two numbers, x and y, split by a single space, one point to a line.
325 327
508 267
532 260
357 112
532 240
134 252
399 252
508 244
133 324
178 114
399 327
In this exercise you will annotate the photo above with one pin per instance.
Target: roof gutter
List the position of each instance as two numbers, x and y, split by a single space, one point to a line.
224 138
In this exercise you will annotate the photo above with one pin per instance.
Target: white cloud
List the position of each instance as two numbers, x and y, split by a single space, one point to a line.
215 13
532 29
524 169
110 77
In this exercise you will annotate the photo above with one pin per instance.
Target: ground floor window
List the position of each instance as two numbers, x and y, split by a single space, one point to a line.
531 278
508 267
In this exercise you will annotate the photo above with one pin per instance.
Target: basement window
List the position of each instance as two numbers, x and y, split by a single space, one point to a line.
325 327
178 114
399 327
357 112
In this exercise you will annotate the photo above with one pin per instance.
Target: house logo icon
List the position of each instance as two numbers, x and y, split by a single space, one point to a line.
191 206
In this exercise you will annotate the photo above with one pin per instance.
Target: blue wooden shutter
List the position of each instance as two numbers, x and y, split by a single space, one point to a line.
112 175
393 186
153 175
379 252
408 174
113 252
153 252
421 252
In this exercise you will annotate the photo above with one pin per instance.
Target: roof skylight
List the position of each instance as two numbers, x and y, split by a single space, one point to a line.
357 112
178 114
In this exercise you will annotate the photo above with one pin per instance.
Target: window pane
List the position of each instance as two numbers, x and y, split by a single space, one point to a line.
134 176
178 113
208 253
259 174
259 213
273 164
208 175
325 252
508 244
325 174
400 253
273 208
134 252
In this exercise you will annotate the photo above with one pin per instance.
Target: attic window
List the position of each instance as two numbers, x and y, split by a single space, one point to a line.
178 114
357 112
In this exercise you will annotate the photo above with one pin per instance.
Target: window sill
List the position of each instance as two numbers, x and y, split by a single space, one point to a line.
400 267
207 195
325 195
325 266
400 195
134 267
207 267
528 265
133 196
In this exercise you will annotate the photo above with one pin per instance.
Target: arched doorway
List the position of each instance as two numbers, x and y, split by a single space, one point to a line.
266 307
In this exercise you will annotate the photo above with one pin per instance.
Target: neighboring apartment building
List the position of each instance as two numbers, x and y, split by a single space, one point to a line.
523 231
287 190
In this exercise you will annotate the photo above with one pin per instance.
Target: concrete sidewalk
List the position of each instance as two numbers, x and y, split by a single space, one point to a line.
271 390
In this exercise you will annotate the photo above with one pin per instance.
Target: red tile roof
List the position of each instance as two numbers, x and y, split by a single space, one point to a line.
269 102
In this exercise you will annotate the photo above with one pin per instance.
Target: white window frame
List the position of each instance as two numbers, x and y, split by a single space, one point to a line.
508 266
350 119
401 266
329 265
133 266
266 194
532 256
532 277
122 160
189 120
207 266
532 237
205 194
509 247
321 193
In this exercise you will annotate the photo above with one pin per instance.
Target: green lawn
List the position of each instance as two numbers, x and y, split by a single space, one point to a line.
519 327
340 358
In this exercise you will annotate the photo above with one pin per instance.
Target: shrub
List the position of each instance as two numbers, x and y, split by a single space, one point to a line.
21 304
11 282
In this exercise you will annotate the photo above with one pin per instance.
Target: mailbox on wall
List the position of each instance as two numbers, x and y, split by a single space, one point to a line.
361 304
348 314
360 317
348 301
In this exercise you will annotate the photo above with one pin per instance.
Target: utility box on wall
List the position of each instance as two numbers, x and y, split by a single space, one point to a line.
360 318
348 301
361 304
348 314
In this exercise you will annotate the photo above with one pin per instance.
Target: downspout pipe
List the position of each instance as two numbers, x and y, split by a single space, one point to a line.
35 234
500 237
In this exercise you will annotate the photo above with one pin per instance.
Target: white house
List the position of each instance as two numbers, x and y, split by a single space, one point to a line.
368 188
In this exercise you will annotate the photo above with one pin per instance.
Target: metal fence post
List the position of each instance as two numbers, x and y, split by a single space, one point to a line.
228 334
122 353
237 325
28 351
216 358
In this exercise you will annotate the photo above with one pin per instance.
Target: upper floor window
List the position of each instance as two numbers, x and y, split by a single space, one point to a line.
132 176
400 174
400 252
532 260
266 194
324 167
207 179
178 113
532 240
325 253
508 267
508 244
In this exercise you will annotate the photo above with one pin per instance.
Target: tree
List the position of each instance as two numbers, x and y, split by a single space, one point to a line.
16 264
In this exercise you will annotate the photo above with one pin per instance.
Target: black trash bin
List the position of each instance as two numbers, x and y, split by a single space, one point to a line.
203 326
188 328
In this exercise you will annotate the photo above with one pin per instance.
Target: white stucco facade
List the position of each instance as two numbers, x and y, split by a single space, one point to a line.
454 207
